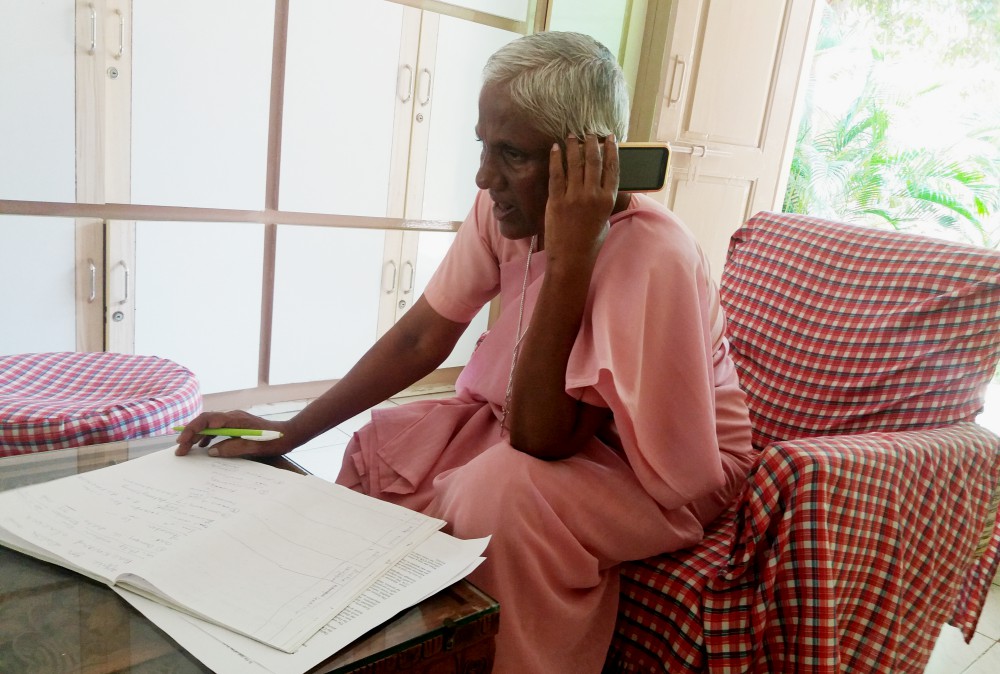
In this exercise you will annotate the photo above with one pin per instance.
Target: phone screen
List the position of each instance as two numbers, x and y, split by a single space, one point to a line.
642 166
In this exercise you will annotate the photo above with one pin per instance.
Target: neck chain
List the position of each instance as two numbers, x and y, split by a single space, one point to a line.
517 338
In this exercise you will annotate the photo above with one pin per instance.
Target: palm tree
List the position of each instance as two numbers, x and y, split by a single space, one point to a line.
848 164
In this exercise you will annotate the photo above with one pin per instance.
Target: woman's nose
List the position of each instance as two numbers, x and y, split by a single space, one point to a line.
486 176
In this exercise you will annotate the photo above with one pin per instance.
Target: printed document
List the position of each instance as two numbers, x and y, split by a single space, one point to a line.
435 564
261 551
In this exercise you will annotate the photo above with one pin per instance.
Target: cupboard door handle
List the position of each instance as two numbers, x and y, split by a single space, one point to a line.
392 288
409 83
677 83
124 299
93 30
409 283
93 281
426 98
121 34
697 150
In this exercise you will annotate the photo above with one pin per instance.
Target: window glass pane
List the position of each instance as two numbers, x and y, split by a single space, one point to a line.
452 149
326 298
431 249
511 9
601 19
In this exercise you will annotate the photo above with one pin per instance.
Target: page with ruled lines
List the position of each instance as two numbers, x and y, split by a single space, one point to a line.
435 564
264 552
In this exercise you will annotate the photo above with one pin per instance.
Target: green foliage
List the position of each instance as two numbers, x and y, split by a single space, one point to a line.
959 31
851 163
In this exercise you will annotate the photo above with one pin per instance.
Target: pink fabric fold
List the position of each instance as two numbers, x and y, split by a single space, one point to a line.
651 347
651 350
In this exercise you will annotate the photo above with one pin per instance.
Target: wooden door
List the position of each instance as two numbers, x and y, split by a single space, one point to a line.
729 85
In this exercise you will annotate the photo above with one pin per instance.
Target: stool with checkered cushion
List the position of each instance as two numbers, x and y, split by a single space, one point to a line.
870 518
55 400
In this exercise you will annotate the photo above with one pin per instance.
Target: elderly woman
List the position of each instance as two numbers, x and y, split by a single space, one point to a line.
600 418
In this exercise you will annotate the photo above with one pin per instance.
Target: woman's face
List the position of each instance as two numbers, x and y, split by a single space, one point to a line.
513 165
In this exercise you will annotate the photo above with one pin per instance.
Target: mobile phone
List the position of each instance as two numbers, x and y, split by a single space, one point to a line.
642 167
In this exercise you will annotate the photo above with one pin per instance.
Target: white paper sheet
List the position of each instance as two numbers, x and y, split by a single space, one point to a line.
435 564
266 552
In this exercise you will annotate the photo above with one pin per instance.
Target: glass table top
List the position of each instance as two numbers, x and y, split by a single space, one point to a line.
53 620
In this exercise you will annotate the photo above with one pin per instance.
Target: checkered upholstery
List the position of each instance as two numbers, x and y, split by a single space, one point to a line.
870 518
846 329
56 400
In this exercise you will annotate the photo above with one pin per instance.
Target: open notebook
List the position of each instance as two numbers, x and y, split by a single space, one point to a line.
263 552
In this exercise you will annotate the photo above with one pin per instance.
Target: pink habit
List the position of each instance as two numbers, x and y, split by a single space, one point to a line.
651 349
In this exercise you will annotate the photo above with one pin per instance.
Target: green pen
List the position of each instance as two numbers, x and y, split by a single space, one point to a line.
245 433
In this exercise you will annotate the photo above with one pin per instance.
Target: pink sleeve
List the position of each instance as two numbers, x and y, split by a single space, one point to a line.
469 275
646 351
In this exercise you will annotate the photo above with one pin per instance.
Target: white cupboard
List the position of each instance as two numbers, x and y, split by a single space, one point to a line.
209 132
244 304
383 126
200 91
45 294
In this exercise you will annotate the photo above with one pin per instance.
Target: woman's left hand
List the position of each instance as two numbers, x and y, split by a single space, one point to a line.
582 193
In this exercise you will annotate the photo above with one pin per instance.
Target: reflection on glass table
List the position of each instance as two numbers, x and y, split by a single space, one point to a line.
53 620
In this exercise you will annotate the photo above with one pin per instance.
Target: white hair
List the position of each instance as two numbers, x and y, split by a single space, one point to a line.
569 83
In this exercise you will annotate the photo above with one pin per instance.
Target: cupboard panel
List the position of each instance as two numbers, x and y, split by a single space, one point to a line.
201 79
733 110
37 284
38 100
197 298
327 287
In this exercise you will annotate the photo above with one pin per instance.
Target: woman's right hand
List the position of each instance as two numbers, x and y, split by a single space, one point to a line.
232 447
583 188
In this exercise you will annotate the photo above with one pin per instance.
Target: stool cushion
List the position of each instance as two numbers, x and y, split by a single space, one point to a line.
56 400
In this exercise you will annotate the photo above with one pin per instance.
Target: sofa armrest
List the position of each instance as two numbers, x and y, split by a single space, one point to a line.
852 548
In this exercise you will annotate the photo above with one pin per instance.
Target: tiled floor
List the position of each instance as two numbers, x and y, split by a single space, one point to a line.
982 655
322 457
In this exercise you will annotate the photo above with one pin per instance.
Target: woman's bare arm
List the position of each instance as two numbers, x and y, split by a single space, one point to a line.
411 349
544 420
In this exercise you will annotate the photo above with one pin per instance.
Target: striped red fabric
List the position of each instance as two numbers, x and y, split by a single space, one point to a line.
660 608
841 329
864 354
851 551
847 554
65 399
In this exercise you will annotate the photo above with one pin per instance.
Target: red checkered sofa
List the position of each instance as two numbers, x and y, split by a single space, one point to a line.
65 399
870 519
